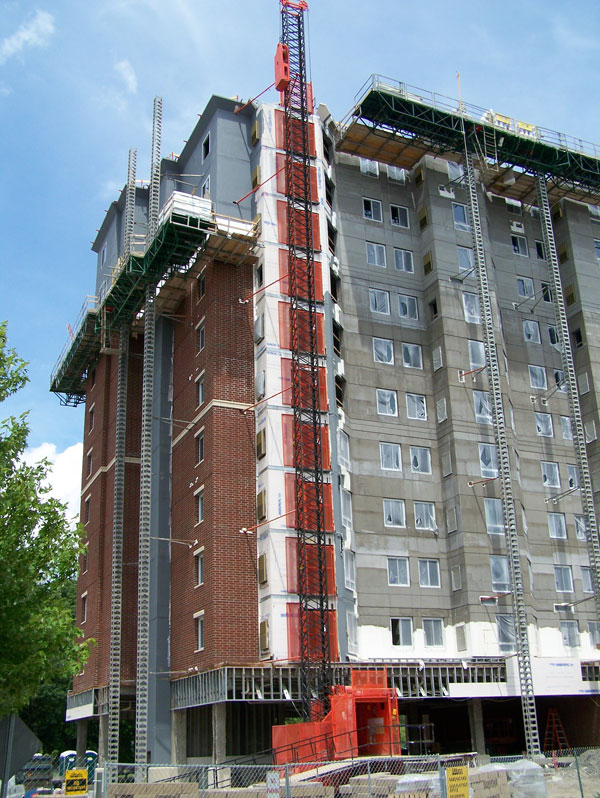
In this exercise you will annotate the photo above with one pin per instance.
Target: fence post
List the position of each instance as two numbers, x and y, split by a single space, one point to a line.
203 779
369 777
441 776
578 774
287 781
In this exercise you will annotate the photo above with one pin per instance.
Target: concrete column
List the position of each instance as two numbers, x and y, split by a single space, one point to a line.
476 724
219 728
82 726
179 737
103 738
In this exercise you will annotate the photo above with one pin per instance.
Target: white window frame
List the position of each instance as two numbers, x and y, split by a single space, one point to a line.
199 631
569 630
505 628
420 460
401 625
476 362
531 331
586 579
400 211
343 447
396 174
425 516
383 350
410 350
199 567
500 573
416 406
525 287
393 509
557 526
386 398
433 632
349 570
372 209
482 407
429 573
403 260
376 294
375 254
471 307
563 578
455 578
460 210
488 460
494 516
390 456
573 477
199 505
466 259
580 526
566 427
346 507
200 389
550 474
398 571
520 246
538 379
543 425
412 307
369 167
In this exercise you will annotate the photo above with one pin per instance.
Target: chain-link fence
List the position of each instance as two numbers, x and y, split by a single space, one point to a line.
572 773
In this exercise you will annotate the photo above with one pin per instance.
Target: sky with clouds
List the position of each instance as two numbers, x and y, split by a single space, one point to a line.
77 81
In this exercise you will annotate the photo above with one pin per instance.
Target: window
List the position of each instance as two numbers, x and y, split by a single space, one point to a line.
434 631
383 350
199 499
519 245
375 254
461 217
403 258
594 213
199 566
471 307
199 624
91 417
563 578
84 608
525 287
583 383
483 407
346 502
597 250
416 406
437 360
557 527
455 578
543 425
441 410
343 442
396 174
451 519
402 631
573 472
390 456
567 430
540 251
379 301
433 309
531 332
500 574
349 569
429 573
412 356
399 216
200 337
87 510
206 147
589 431
352 628
553 337
368 167
580 527
466 263
494 518
398 574
420 460
89 463
594 629
586 579
537 377
488 460
201 283
550 474
505 624
546 292
570 633
205 189
425 515
372 210
200 391
456 172
394 513
387 402
476 354
407 307
577 339
200 447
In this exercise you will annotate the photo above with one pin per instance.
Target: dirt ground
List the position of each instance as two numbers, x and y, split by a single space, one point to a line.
564 783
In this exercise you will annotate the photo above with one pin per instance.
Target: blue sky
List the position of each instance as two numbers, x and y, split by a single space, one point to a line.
77 81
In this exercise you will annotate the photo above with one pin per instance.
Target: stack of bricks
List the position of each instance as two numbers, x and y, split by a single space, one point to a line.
489 784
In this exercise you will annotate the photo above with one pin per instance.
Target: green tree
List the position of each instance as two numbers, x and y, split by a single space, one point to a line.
39 553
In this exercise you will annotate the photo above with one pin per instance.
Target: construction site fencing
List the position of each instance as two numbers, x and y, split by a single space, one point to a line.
568 773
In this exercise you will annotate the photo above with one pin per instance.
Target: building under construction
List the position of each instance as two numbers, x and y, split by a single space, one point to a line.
341 419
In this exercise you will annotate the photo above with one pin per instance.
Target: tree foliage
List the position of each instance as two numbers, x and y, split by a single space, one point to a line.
38 555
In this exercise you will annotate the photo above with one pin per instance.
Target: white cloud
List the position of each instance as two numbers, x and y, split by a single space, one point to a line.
64 476
127 73
37 32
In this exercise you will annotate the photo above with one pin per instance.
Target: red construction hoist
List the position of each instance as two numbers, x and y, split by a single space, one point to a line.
315 619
